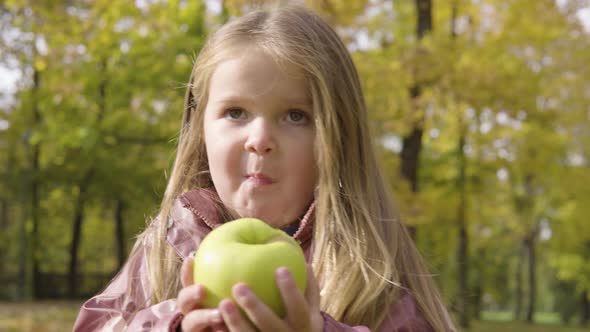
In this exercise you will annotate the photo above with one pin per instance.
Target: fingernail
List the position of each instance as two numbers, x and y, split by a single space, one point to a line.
227 307
241 290
283 273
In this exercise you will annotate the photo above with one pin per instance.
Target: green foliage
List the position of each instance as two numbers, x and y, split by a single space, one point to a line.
510 80
108 101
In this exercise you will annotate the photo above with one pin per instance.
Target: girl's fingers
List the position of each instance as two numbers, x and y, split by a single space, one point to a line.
295 303
259 313
312 292
199 320
189 298
312 296
233 319
186 271
219 328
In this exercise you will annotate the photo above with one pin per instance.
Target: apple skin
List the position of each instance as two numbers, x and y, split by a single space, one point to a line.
247 250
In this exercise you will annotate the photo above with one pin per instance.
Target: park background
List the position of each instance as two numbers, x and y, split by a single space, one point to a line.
480 110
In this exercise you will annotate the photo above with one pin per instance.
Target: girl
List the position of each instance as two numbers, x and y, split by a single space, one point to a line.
275 127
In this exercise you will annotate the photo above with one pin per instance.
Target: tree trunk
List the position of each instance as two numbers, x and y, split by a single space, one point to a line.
3 224
463 268
22 263
477 288
424 13
530 243
463 246
3 214
35 220
584 309
412 143
530 248
75 246
33 240
462 250
23 211
518 291
479 267
119 233
77 234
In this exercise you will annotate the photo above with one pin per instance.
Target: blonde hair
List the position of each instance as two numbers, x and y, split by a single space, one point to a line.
362 253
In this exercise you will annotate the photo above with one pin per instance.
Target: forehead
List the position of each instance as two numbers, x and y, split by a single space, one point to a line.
254 73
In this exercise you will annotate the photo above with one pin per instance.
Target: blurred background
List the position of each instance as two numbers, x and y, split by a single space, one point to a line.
480 110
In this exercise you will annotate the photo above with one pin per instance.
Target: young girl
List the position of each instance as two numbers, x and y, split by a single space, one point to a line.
275 127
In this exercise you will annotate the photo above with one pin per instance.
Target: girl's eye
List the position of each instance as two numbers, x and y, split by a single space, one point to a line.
235 113
297 116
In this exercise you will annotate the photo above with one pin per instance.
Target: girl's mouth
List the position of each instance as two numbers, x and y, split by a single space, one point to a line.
259 179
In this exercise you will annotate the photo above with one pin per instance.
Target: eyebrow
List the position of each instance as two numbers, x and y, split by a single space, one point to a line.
240 99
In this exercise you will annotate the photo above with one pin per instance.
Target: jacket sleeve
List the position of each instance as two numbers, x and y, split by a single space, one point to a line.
404 316
125 303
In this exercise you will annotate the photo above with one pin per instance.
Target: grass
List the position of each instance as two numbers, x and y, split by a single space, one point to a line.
502 321
47 316
506 316
59 316
499 326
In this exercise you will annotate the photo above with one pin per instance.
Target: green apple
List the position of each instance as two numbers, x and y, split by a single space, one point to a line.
250 251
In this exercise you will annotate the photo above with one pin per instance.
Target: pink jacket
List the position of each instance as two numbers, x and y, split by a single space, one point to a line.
194 215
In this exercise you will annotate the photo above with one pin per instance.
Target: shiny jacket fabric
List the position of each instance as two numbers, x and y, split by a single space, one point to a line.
123 308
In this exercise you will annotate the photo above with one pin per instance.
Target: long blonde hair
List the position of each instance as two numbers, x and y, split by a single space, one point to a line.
362 253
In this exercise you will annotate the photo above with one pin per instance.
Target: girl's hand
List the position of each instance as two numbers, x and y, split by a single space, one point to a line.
303 311
189 298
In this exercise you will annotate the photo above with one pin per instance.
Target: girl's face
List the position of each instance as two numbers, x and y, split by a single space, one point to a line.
259 135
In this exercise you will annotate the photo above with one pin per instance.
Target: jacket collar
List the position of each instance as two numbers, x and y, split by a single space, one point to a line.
204 202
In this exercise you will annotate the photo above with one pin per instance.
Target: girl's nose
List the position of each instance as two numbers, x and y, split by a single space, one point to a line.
260 137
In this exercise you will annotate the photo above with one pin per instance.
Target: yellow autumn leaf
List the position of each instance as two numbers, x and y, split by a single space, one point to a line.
40 65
